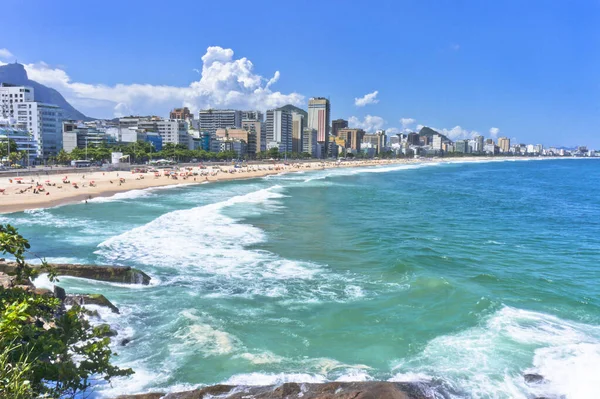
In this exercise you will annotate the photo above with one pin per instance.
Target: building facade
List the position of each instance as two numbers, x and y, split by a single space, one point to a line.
319 114
279 130
309 141
504 144
298 125
255 127
181 114
352 137
338 124
240 134
210 120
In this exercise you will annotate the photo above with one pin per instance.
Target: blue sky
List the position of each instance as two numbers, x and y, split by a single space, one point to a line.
530 69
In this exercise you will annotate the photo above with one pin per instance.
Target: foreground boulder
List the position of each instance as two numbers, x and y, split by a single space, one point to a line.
113 274
329 390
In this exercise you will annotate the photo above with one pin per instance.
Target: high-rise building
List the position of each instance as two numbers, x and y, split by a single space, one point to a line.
353 137
255 127
504 144
338 124
376 140
212 119
171 131
10 96
279 130
298 125
319 111
181 114
252 116
309 141
413 139
462 146
436 143
43 121
478 143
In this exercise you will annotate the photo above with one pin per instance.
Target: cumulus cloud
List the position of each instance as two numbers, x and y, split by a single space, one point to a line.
392 130
494 132
370 98
406 122
5 54
369 124
457 133
225 82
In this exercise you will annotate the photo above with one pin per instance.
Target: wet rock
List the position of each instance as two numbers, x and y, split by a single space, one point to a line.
533 378
143 396
90 299
59 293
124 341
330 390
114 274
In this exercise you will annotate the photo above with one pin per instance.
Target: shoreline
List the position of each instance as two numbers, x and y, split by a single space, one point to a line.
107 184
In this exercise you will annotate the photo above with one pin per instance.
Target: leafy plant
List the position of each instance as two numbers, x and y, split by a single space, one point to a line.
46 350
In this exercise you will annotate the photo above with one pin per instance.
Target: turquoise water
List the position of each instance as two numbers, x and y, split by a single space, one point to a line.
467 275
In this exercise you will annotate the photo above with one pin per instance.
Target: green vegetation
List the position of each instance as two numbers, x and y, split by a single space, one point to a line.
46 350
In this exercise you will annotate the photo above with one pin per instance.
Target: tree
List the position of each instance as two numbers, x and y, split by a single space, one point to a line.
63 157
46 350
4 146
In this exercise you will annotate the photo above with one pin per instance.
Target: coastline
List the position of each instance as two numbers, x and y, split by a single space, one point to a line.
106 184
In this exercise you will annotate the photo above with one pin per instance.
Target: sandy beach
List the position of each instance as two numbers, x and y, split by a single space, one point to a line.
42 191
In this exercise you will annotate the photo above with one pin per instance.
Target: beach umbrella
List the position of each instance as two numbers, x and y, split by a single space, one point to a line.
47 181
18 178
74 183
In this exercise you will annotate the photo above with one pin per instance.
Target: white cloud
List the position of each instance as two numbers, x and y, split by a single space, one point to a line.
407 122
370 98
457 133
225 82
369 124
494 132
5 54
392 130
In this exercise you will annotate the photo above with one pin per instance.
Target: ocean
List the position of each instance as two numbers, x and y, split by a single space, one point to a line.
464 275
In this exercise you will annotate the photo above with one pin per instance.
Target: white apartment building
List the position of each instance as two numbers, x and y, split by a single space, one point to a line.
209 120
279 130
43 121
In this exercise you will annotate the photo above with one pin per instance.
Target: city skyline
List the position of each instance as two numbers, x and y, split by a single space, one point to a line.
460 79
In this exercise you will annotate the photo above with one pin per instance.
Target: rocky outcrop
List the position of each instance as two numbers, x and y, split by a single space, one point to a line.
113 274
329 390
90 299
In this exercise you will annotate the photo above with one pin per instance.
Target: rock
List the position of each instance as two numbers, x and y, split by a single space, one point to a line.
124 341
43 291
6 281
90 299
533 378
143 396
330 390
114 274
60 293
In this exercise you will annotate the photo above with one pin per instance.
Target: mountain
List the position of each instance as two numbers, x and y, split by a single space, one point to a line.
16 74
293 108
427 131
